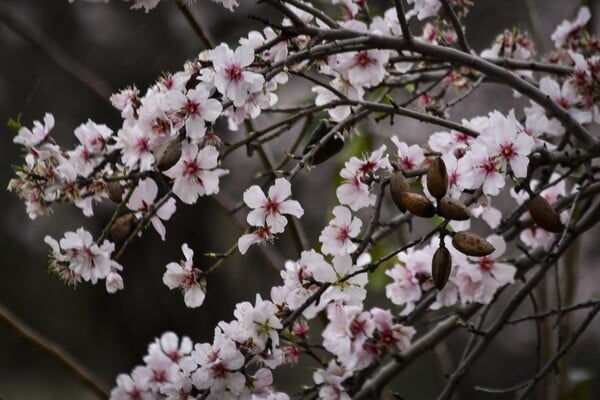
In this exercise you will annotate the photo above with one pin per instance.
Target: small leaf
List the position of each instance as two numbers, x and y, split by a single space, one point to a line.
15 125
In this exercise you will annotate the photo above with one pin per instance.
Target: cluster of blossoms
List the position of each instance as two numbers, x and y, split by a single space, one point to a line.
238 363
167 149
77 257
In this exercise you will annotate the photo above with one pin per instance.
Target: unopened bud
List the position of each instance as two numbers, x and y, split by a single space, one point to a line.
544 215
437 178
169 154
472 245
441 265
328 149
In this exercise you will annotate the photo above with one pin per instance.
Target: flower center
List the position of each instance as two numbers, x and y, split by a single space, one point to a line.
407 163
489 166
363 59
191 168
486 263
191 107
343 234
507 151
142 145
235 73
272 207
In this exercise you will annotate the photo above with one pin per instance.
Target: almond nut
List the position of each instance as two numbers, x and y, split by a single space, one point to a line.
115 191
544 215
168 155
472 245
418 205
122 228
453 209
398 186
437 178
441 265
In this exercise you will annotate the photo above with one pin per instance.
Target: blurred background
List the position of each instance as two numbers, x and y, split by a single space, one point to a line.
110 333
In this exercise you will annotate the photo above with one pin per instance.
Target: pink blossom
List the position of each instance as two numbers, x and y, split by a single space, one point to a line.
270 210
195 173
135 146
259 235
185 276
391 333
485 170
562 32
424 8
260 322
566 97
337 236
86 259
114 282
330 381
364 68
233 79
37 135
195 107
142 201
218 364
410 157
354 192
507 140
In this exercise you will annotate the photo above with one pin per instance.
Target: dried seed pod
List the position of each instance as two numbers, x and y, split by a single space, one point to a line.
544 215
398 186
168 155
330 147
122 227
115 191
437 178
441 265
418 205
453 209
471 244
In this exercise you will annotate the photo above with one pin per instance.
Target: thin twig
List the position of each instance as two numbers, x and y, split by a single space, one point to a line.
549 313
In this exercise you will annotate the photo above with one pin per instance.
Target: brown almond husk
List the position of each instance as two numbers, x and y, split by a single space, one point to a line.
544 215
441 265
115 191
122 228
437 178
453 209
398 186
418 205
168 155
471 244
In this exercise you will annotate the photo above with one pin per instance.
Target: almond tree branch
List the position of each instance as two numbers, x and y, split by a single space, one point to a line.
347 40
430 339
500 322
462 39
67 63
402 19
56 352
561 352
208 43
